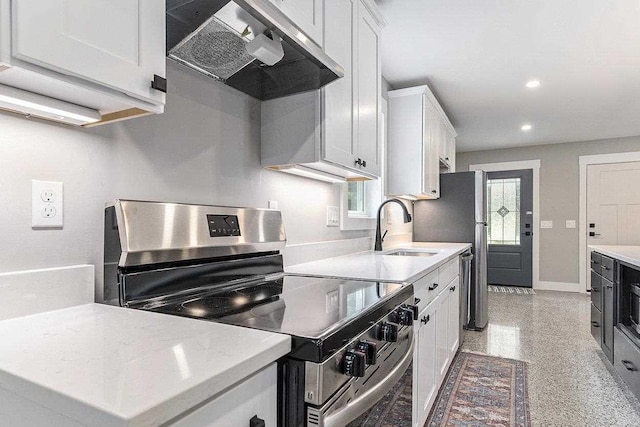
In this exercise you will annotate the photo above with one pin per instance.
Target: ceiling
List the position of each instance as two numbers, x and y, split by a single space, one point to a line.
477 55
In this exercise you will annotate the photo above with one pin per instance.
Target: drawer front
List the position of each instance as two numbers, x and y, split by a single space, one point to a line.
596 262
596 324
607 268
627 361
449 271
422 290
596 290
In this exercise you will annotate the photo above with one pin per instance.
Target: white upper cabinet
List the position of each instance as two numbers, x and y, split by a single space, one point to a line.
369 84
98 54
420 135
333 134
307 14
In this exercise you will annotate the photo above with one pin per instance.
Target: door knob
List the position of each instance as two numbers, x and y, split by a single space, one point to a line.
527 233
594 234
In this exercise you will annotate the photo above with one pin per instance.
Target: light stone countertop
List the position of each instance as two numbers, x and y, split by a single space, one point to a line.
112 366
628 254
378 266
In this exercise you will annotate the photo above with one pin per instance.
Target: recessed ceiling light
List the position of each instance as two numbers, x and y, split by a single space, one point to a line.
533 83
526 127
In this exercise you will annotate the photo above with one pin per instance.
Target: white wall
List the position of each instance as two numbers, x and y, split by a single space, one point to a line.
204 149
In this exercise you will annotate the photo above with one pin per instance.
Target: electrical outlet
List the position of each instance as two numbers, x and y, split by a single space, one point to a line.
272 204
46 204
571 223
546 224
333 216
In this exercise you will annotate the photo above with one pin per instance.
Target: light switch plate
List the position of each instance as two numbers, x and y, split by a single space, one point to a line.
272 204
333 216
46 204
571 223
546 224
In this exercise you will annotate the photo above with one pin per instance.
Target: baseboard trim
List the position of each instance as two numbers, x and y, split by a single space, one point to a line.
558 286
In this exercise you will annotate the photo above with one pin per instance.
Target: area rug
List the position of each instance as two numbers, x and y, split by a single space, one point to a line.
483 390
511 290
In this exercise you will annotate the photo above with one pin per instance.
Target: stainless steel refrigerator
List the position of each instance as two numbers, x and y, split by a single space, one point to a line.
459 215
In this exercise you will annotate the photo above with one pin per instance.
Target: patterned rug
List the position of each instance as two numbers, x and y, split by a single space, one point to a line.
483 390
511 290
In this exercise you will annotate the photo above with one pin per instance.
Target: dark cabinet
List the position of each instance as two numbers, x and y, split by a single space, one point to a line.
607 318
596 290
603 302
627 361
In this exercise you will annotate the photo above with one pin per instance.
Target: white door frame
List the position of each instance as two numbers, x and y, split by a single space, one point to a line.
584 161
535 166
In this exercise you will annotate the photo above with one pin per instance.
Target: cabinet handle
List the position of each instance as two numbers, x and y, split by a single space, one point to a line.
594 262
256 422
595 324
425 319
159 83
446 158
434 191
435 285
628 365
361 162
606 268
595 290
417 301
453 288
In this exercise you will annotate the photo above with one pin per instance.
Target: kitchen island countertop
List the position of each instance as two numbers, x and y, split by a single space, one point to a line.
380 266
628 254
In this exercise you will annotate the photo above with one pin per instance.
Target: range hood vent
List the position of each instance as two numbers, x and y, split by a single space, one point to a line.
215 37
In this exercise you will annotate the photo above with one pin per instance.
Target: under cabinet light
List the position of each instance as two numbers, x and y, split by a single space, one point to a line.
33 104
526 127
309 173
531 84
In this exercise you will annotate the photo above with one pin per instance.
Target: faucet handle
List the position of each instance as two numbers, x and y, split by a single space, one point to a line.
383 236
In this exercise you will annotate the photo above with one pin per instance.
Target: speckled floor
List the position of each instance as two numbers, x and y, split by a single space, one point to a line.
570 383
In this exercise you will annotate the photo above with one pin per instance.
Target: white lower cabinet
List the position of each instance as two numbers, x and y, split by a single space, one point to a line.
425 384
442 341
437 335
255 396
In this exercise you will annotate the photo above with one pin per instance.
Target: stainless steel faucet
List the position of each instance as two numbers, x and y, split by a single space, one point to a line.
379 236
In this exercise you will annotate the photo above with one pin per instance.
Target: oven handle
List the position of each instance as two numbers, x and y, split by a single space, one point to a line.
358 406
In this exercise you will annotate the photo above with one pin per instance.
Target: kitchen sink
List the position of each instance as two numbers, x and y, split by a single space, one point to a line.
406 252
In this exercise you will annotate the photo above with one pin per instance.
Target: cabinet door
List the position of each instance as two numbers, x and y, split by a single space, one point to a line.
453 328
338 96
607 318
119 44
431 166
442 340
425 372
451 145
308 15
368 81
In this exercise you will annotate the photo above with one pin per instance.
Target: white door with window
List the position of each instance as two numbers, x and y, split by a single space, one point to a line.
613 206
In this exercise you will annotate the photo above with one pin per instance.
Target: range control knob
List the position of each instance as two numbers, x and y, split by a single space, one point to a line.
370 350
404 316
387 332
354 363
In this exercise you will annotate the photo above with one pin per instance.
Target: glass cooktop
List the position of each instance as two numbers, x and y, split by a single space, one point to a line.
303 306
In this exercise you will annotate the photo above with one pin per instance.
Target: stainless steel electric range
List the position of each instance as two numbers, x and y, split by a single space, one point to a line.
351 340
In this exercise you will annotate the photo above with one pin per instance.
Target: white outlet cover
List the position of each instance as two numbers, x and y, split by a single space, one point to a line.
546 224
571 223
46 204
333 216
272 204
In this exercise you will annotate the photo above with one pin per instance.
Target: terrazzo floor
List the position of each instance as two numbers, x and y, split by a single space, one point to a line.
570 381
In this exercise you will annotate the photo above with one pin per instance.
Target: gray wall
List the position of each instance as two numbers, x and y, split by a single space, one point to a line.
204 149
559 195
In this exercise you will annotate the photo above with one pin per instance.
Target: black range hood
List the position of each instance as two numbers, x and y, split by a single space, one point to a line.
211 36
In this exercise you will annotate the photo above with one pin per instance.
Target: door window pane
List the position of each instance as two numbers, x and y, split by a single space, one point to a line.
504 211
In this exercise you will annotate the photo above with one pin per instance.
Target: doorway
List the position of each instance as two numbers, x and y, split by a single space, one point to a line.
510 228
613 205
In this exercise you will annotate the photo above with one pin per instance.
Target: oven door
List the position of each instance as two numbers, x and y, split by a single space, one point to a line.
360 395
